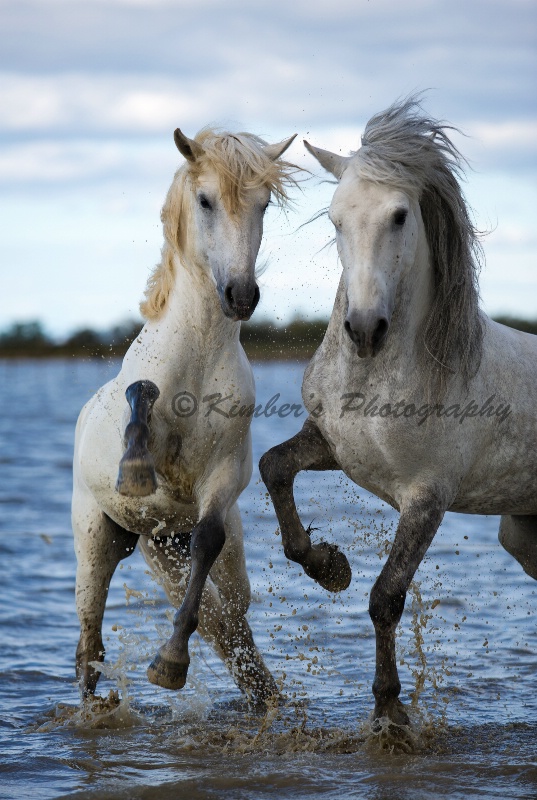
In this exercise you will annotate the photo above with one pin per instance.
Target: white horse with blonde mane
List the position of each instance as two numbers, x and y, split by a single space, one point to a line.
414 393
181 473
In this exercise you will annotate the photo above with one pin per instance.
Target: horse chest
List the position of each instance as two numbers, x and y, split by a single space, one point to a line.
375 447
361 451
177 473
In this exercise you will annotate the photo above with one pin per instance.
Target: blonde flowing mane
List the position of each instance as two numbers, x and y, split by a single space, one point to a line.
405 148
241 164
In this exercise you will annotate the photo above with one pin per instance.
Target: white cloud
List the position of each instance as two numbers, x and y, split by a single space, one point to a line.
68 162
132 105
509 133
512 234
91 103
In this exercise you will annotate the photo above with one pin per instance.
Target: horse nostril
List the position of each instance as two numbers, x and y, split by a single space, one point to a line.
347 326
257 295
228 294
380 331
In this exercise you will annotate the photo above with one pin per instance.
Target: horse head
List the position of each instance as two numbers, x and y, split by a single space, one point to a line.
232 177
377 227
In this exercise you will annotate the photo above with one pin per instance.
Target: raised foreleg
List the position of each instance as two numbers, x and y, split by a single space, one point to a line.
308 450
136 477
518 534
100 545
419 521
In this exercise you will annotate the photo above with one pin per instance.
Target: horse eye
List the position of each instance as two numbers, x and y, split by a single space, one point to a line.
400 218
204 203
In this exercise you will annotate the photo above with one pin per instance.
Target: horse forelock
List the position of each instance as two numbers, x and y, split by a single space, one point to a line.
240 164
405 148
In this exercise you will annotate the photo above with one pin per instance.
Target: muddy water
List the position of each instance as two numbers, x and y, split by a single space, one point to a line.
467 645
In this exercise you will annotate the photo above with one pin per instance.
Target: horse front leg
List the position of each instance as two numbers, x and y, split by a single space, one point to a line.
323 562
136 476
169 668
417 527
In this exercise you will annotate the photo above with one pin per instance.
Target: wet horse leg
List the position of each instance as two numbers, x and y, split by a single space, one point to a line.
308 450
224 604
235 644
169 668
136 477
417 527
229 630
518 535
100 545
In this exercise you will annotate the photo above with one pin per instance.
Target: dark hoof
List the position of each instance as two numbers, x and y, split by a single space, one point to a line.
391 730
137 477
327 565
393 711
168 674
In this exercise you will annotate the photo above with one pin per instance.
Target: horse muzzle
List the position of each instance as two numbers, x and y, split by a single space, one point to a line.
239 299
367 330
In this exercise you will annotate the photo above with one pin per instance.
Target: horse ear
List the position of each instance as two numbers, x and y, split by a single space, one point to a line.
274 151
190 149
332 163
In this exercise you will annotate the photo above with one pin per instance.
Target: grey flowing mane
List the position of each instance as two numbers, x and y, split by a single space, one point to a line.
405 148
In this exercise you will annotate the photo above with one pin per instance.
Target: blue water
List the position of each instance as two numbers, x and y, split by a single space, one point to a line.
476 715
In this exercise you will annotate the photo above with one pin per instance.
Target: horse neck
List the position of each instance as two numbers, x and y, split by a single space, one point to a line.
191 335
194 305
414 297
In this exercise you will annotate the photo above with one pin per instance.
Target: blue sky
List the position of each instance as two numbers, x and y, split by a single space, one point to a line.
91 91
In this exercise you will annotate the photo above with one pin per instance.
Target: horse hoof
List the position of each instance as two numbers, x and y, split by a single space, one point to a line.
167 674
394 712
136 478
327 565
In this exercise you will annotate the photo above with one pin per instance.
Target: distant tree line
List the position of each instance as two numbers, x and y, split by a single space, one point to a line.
526 325
262 340
29 339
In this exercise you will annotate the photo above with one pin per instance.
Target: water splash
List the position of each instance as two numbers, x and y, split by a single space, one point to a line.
107 713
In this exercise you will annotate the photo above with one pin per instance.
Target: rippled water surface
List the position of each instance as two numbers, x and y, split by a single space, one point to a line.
467 662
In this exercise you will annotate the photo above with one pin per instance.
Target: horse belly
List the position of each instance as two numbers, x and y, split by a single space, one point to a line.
503 475
511 492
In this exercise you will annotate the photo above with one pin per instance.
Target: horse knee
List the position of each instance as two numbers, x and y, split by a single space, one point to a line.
236 599
274 467
386 605
208 539
234 606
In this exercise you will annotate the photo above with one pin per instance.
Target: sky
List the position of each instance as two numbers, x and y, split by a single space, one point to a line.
92 90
